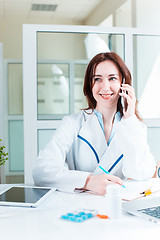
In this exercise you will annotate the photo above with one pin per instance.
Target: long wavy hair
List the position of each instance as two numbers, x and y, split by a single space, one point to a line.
90 71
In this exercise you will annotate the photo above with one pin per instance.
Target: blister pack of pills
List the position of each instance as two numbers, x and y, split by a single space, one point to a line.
79 215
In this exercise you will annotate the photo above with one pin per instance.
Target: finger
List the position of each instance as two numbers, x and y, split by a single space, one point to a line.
127 86
114 179
128 97
113 183
109 183
129 90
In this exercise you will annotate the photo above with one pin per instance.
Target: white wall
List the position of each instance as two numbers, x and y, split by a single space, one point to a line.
11 34
103 11
148 13
123 15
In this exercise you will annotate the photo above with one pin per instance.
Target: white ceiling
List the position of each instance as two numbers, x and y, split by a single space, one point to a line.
76 10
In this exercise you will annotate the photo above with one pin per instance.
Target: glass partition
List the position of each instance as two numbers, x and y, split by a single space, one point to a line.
79 98
14 167
153 141
15 89
43 137
147 74
53 89
16 148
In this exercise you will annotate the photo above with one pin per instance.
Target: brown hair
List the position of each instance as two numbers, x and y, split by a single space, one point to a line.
88 80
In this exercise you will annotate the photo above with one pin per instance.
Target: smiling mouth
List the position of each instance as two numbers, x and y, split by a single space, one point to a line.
106 96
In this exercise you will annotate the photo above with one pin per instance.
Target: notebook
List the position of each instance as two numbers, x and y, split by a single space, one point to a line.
25 196
147 208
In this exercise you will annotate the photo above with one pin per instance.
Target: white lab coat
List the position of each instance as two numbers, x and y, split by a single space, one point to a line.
67 160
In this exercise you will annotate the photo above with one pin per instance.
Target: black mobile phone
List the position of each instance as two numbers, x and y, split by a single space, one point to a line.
122 98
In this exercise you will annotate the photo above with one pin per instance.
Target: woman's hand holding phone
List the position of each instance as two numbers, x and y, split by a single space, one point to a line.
128 96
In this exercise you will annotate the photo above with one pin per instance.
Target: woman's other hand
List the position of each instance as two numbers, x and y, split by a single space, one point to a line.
98 183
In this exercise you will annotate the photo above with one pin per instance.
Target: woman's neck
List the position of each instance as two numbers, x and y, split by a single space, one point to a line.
108 119
107 113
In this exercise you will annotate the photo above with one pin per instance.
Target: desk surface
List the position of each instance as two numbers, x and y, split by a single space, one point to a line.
44 222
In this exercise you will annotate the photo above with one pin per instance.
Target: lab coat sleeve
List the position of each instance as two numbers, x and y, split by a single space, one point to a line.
139 163
130 140
50 168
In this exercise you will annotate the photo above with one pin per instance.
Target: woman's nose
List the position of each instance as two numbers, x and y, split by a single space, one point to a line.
106 84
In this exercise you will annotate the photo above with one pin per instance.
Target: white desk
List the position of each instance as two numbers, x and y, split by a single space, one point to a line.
44 222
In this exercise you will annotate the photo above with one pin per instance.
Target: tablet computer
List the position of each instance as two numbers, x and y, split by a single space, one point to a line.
25 196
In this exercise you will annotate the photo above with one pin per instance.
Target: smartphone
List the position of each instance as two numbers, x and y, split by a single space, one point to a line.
122 98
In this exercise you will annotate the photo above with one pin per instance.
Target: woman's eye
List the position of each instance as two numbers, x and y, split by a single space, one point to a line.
113 79
97 79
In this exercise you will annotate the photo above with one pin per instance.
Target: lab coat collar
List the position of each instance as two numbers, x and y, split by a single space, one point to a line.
91 130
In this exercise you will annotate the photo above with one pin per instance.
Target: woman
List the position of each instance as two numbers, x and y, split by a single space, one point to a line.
105 134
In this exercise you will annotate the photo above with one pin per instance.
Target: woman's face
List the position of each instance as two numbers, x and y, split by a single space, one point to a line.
106 84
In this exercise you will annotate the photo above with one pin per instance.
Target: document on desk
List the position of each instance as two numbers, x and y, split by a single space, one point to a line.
134 189
137 189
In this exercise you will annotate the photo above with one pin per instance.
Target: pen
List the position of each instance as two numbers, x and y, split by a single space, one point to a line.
108 173
147 192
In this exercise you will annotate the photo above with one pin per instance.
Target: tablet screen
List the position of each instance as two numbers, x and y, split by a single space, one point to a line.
23 194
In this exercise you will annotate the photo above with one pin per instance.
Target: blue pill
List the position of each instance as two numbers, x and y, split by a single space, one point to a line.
70 214
78 219
64 217
72 218
81 213
89 215
84 217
